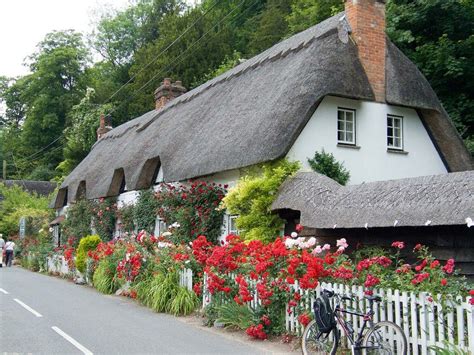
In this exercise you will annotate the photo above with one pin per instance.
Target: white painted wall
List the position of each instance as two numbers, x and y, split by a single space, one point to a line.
371 162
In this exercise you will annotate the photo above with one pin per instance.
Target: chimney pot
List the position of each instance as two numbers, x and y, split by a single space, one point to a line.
105 125
167 92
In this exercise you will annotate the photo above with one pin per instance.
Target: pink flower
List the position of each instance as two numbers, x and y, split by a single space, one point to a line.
317 250
342 243
399 245
299 228
326 247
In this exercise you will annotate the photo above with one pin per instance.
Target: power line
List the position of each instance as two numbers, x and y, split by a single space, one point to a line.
175 62
162 52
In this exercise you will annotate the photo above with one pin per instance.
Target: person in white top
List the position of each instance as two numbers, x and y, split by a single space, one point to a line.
2 244
9 248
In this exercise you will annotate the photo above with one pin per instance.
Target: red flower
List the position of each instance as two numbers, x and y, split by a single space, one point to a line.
444 282
418 247
449 267
371 281
434 264
304 319
299 228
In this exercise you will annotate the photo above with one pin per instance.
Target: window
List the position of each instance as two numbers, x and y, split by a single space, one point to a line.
232 225
346 126
395 132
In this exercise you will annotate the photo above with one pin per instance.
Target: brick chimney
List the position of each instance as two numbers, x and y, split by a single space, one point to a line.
104 126
367 21
167 92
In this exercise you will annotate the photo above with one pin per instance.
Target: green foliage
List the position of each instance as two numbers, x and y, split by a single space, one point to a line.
104 279
145 211
18 203
326 164
85 244
447 349
194 208
78 221
126 215
307 13
442 49
161 290
252 198
104 217
234 315
229 62
184 303
81 134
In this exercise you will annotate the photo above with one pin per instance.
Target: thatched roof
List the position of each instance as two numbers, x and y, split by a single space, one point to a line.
446 199
254 113
42 188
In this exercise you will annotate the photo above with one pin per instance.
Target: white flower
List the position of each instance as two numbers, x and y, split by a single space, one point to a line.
174 225
51 229
294 235
289 243
469 222
311 242
187 261
326 247
167 234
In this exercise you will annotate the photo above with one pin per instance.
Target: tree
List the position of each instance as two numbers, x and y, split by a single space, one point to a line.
271 25
307 13
55 85
326 164
80 136
443 50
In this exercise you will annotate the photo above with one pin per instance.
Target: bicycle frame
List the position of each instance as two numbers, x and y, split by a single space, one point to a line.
355 342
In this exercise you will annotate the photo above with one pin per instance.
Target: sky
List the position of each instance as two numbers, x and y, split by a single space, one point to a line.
24 23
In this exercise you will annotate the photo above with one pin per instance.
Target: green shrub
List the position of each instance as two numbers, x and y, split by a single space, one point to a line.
326 164
184 303
252 198
86 244
104 279
163 289
234 315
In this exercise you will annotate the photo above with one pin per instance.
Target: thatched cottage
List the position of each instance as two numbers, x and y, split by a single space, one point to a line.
340 85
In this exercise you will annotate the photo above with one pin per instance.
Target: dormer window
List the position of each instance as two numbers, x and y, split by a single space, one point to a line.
346 123
394 132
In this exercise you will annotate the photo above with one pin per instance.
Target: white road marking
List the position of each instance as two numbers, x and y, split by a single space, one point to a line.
28 308
3 291
72 341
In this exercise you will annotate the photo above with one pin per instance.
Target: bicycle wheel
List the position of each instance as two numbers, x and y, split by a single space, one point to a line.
313 342
385 338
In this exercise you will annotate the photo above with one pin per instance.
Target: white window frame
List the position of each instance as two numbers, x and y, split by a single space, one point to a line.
344 129
397 132
229 225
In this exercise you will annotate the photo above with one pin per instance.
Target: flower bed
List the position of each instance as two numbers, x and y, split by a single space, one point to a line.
265 289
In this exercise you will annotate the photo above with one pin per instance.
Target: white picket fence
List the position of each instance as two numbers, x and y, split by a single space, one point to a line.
424 323
186 278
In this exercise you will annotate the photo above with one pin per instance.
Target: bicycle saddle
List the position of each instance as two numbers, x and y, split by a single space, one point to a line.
374 298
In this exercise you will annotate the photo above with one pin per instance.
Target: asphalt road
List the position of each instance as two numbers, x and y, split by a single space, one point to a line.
48 315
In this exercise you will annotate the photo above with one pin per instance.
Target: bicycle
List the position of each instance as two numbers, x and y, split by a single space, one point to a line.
380 338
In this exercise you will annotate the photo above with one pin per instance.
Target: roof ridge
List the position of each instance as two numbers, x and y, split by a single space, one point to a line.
253 63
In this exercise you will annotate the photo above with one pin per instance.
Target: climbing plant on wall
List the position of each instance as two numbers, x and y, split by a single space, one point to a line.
104 217
78 221
144 211
194 208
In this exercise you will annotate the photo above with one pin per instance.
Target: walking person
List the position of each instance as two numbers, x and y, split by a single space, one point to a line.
9 248
2 245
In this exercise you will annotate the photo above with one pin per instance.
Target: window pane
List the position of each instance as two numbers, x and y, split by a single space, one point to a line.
340 135
349 137
389 131
397 142
349 127
390 141
396 123
340 115
349 116
340 125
